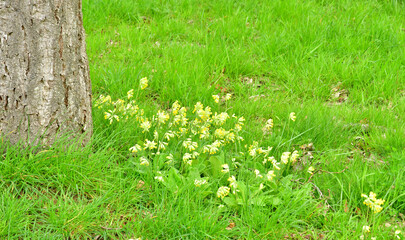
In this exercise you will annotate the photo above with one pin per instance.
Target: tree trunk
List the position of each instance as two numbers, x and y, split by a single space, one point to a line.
44 75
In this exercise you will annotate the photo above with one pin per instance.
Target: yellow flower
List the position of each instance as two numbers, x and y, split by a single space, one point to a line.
204 114
145 125
238 127
225 168
144 161
199 182
130 93
135 148
159 177
285 156
190 145
373 202
366 228
168 135
311 170
270 175
162 145
227 96
292 116
220 133
143 83
233 184
294 156
275 163
204 132
162 116
197 107
175 107
216 98
258 175
170 158
220 119
223 192
149 144
110 115
397 232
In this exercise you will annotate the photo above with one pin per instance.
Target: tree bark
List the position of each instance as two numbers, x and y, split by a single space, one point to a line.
45 86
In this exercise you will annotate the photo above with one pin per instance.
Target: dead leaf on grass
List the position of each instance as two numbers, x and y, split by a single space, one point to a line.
339 95
230 226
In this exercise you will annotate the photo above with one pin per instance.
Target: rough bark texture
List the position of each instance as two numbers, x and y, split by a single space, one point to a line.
44 75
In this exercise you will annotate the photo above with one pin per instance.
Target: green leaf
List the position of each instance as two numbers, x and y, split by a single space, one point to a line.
230 202
216 166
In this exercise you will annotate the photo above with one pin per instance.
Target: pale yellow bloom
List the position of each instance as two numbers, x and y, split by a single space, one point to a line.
270 175
135 148
159 177
294 156
162 116
258 175
285 156
261 186
187 157
199 182
190 145
145 125
110 115
227 96
223 192
170 158
366 228
311 170
168 135
233 184
102 100
198 106
175 107
230 136
397 232
204 132
373 202
292 116
204 114
130 93
220 133
238 127
268 127
225 168
162 145
143 83
275 163
216 98
149 144
144 161
220 119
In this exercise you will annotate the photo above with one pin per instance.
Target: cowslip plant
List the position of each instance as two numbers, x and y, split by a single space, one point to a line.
196 145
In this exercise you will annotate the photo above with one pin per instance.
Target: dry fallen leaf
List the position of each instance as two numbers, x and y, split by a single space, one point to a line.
230 226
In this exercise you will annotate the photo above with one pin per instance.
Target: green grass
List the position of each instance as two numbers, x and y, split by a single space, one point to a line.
276 57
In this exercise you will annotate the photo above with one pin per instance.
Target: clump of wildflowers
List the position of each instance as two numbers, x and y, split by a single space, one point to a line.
190 142
373 202
223 192
143 83
200 182
292 116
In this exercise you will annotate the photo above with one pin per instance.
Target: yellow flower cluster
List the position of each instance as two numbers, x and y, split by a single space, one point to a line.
185 137
373 202
223 192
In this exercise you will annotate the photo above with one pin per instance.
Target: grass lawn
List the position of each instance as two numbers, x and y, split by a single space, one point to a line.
339 65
